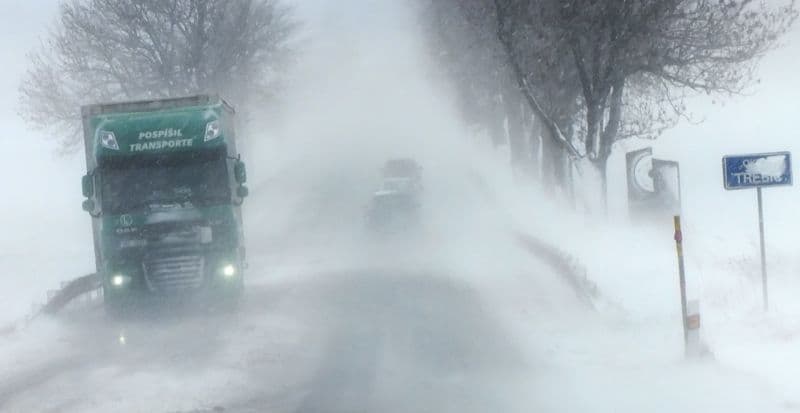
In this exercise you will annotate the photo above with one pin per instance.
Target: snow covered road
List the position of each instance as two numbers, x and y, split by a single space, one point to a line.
372 340
362 341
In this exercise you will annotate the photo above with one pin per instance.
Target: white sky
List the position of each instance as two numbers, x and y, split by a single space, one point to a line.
36 181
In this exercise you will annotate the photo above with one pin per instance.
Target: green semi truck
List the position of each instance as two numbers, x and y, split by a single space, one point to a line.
164 187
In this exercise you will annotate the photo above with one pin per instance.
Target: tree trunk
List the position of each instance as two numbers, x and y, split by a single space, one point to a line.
593 120
571 184
603 166
608 136
561 172
493 119
553 159
516 138
535 136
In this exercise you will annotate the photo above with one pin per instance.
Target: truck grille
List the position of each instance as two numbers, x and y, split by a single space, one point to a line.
174 272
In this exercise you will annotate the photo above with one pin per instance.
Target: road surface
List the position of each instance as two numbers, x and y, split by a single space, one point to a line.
368 340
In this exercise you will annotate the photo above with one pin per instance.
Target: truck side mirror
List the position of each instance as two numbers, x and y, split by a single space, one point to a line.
88 186
242 191
240 172
88 206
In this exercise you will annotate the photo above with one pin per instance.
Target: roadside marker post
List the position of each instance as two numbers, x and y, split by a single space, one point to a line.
690 310
758 171
694 348
682 277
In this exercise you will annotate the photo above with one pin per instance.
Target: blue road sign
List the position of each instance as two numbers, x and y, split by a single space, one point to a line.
757 170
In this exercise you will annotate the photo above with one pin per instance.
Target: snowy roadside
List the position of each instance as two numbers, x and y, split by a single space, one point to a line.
752 350
627 355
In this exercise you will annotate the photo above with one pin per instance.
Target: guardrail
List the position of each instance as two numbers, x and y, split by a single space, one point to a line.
86 286
563 264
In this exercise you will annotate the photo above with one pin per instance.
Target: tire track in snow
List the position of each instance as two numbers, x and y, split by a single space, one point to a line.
408 342
360 341
15 386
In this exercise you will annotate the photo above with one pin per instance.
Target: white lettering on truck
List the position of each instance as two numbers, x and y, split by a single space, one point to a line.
161 134
156 145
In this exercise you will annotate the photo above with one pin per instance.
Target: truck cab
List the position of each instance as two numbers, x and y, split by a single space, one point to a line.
164 187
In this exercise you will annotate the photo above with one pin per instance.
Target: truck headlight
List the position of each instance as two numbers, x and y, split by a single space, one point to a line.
229 271
108 140
118 280
213 131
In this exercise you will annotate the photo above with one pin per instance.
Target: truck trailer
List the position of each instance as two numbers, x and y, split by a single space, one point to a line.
164 188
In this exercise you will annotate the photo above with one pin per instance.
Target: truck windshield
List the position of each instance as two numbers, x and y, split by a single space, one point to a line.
135 184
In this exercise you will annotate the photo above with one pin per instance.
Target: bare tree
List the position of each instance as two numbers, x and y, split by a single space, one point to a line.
108 50
468 57
658 48
463 35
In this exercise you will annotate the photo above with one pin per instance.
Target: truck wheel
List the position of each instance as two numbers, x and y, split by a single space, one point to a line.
229 300
114 306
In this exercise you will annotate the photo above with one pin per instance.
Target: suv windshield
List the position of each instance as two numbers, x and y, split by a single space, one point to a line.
130 185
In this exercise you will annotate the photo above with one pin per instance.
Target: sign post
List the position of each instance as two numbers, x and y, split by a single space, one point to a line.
764 290
654 186
758 171
681 277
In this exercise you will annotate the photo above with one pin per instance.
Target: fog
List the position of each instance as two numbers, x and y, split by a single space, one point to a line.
458 315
